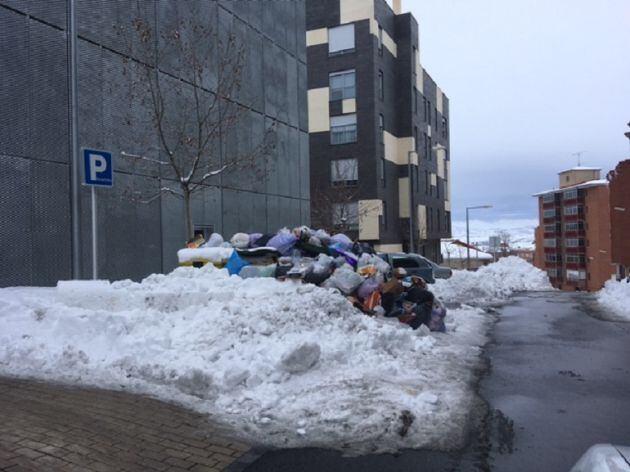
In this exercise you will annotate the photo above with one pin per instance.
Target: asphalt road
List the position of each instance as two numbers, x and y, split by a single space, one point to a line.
558 381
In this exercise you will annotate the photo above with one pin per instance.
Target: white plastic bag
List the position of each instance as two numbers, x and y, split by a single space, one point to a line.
240 240
346 280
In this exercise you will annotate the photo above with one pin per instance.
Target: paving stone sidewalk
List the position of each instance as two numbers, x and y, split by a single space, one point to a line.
46 427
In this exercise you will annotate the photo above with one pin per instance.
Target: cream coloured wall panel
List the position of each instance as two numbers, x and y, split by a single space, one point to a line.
369 225
403 197
355 10
318 110
440 100
422 221
388 247
317 36
349 105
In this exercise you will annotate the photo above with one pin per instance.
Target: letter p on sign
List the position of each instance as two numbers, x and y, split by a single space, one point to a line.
98 168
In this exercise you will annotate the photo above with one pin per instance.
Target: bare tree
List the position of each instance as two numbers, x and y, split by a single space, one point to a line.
191 83
505 242
337 208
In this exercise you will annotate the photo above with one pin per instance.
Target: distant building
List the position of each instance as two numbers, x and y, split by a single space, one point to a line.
619 183
573 238
378 126
455 255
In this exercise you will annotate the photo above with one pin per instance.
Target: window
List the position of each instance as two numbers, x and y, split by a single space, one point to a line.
341 39
576 275
549 213
417 178
424 108
384 215
573 242
408 262
575 259
381 85
551 258
344 172
431 218
427 112
552 273
570 194
550 228
439 220
381 127
429 148
436 118
570 210
444 128
426 146
549 243
383 180
572 226
548 198
415 100
426 182
342 85
346 215
343 129
415 137
380 40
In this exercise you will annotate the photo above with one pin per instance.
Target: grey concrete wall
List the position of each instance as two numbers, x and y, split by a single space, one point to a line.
137 238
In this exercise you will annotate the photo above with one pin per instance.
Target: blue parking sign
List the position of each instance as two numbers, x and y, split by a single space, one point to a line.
98 168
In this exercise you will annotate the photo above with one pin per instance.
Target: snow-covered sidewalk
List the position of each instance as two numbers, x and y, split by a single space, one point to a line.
615 297
284 364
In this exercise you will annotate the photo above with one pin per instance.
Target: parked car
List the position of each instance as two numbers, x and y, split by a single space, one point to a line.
439 272
412 263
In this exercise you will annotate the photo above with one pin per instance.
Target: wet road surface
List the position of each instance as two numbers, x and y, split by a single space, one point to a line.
558 381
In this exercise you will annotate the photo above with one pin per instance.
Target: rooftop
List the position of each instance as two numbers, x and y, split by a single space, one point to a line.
579 168
590 183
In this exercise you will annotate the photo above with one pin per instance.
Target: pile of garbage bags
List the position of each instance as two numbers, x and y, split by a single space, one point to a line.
315 257
312 256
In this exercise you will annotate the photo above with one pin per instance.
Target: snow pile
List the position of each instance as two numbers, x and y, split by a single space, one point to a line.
285 364
615 296
492 283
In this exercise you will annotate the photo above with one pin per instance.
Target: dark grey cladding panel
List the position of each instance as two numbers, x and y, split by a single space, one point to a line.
294 163
305 212
253 90
305 190
243 211
89 17
206 207
292 91
300 24
289 26
51 11
241 8
272 27
90 87
302 97
14 89
256 8
48 84
173 227
51 223
16 259
129 231
19 5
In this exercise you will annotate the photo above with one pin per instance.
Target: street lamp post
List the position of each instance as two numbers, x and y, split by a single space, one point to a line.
468 232
409 154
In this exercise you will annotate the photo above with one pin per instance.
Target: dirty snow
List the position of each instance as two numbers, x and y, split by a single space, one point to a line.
615 297
284 364
492 283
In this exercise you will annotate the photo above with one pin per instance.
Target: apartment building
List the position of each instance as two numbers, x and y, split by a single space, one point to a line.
619 183
378 128
573 239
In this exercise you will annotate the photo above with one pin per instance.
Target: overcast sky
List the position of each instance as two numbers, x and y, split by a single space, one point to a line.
530 83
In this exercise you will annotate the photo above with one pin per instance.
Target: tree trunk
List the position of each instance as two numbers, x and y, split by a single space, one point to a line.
190 229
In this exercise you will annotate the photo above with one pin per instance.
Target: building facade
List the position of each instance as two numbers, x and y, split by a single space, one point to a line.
619 183
36 139
573 239
378 126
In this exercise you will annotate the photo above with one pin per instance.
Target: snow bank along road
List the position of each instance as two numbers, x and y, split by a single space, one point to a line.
282 364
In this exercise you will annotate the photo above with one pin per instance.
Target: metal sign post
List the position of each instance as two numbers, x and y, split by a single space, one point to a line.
99 172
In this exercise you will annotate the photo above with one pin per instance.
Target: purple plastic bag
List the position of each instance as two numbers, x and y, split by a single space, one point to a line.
253 238
367 288
283 242
343 241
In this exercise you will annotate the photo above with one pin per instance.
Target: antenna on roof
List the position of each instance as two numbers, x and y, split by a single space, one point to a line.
579 157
